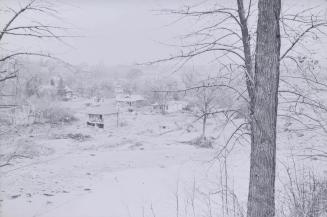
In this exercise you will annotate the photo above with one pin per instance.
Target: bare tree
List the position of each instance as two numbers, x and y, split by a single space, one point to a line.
261 200
231 36
205 103
14 27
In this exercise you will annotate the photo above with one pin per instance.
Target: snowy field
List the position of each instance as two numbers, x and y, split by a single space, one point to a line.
145 167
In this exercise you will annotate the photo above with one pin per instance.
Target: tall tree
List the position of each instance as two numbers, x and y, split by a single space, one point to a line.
261 198
232 36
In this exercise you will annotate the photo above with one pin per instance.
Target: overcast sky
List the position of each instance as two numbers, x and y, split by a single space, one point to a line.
118 31
114 31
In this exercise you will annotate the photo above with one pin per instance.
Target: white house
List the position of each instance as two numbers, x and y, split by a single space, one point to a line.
96 115
129 100
176 106
170 106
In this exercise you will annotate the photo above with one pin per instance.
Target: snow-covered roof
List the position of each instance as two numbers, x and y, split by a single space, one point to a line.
67 89
102 109
171 102
177 102
129 98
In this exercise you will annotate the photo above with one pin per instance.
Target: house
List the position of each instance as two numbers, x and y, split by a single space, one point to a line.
170 106
176 106
162 107
68 94
95 120
63 91
129 100
96 115
97 100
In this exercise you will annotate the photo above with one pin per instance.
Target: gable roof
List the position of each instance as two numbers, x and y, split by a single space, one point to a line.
103 108
129 98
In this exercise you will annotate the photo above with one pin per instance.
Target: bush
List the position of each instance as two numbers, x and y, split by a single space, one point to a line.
305 194
74 136
202 142
56 115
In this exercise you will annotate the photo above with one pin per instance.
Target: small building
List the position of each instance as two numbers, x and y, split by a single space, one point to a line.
170 106
162 107
176 106
98 100
129 100
68 94
95 119
96 115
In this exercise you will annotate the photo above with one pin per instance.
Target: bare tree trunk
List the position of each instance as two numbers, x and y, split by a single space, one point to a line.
204 123
247 51
261 198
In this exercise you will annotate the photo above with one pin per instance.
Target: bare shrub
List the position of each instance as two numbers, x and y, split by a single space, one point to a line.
202 142
45 111
207 200
305 195
80 137
57 115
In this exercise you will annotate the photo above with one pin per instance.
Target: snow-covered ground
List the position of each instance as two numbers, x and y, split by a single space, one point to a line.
145 167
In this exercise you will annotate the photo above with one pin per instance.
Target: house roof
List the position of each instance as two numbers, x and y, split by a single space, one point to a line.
129 98
67 89
171 102
104 109
177 102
